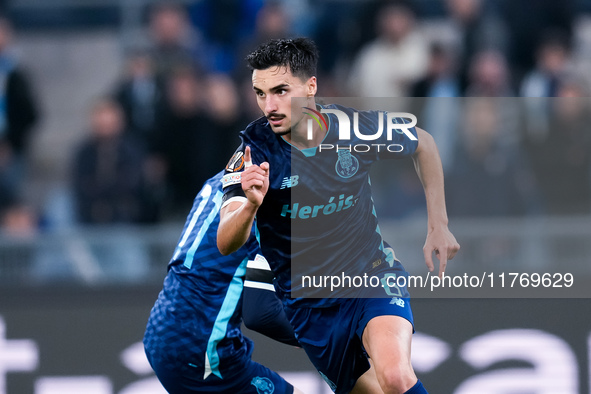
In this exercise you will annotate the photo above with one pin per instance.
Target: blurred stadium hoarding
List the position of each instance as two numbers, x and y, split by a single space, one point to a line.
81 340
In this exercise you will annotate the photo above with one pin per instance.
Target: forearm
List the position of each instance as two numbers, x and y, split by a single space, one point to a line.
235 226
429 169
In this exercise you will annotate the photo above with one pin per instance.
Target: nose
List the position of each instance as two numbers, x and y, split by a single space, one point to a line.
270 104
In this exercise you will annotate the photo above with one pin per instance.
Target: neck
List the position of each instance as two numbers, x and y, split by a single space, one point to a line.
299 136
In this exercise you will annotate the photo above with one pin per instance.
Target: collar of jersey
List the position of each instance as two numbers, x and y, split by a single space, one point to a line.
309 152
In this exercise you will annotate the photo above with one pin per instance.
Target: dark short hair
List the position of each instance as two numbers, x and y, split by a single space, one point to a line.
299 55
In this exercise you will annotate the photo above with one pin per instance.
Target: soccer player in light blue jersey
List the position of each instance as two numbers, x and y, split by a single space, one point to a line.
314 209
193 338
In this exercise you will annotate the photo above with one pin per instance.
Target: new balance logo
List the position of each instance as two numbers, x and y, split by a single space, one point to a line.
397 301
289 181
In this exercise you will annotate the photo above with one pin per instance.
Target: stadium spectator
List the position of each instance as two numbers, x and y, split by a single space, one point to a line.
271 22
227 114
221 20
248 102
562 157
187 140
18 115
8 192
107 170
175 42
474 29
19 228
489 75
527 21
552 62
440 79
435 104
387 66
340 31
489 178
140 95
19 220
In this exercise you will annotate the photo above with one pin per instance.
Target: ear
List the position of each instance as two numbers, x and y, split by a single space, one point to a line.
311 87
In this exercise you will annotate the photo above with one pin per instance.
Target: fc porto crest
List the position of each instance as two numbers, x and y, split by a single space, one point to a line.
263 385
347 164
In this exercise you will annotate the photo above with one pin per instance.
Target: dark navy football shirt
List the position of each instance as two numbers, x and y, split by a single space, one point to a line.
318 217
198 311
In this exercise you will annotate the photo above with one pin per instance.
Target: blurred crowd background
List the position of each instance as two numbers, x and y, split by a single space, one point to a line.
116 112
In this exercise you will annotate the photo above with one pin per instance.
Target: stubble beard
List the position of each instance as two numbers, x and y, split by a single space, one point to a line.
282 133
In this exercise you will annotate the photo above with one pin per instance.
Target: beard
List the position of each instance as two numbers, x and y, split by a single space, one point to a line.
281 133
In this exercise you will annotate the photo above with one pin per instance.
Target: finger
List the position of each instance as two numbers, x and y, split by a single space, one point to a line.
253 171
255 177
429 258
442 263
265 167
251 178
247 158
453 251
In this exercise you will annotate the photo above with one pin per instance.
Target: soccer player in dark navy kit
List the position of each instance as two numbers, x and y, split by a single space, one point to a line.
193 339
329 222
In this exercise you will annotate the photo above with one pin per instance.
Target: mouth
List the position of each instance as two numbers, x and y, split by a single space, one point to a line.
276 120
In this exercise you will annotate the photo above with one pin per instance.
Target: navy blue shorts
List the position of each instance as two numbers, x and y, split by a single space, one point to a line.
253 378
332 336
249 378
178 359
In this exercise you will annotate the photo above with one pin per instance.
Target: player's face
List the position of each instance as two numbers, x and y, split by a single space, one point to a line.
274 88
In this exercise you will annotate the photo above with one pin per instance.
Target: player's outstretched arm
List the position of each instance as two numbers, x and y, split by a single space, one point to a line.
439 239
237 217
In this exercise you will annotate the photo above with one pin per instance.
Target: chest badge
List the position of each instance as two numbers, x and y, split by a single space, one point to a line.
263 385
347 164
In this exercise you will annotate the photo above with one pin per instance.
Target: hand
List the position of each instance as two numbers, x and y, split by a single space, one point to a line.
255 179
441 241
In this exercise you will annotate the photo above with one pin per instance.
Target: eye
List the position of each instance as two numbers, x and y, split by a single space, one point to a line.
260 94
281 92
